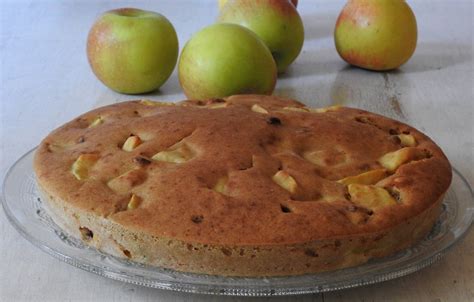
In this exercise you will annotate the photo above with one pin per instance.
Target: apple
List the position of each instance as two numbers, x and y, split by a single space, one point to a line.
276 22
376 34
226 59
131 50
223 2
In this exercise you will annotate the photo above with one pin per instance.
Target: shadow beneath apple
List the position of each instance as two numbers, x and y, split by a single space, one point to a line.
313 62
318 26
427 57
380 92
389 93
171 90
436 56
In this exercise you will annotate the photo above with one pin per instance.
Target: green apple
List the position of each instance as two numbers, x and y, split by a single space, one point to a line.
226 59
131 50
376 34
276 22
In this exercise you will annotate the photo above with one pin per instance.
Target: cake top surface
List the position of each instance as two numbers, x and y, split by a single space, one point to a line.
243 170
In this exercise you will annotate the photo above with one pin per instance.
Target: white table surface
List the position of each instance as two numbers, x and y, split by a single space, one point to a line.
46 81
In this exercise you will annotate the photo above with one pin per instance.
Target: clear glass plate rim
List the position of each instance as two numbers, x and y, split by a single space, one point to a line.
234 290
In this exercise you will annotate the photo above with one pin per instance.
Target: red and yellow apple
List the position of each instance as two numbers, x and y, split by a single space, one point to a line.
131 50
225 59
276 22
376 34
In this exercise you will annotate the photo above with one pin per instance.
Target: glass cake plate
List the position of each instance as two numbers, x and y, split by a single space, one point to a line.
24 208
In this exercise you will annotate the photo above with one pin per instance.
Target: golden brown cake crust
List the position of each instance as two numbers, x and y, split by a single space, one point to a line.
222 193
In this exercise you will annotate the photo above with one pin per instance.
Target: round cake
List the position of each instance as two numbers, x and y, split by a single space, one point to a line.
248 185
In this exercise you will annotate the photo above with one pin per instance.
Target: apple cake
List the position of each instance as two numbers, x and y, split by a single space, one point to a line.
248 185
